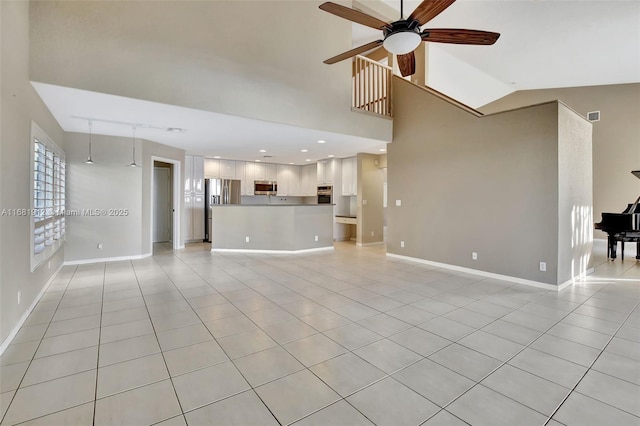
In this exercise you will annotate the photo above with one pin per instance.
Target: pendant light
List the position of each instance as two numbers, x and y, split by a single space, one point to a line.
89 159
133 159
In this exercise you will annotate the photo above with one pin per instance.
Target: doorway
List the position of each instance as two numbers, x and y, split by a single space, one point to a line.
163 209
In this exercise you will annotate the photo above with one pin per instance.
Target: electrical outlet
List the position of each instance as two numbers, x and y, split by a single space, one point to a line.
474 255
364 202
316 238
19 294
246 239
99 246
398 203
543 266
372 233
402 244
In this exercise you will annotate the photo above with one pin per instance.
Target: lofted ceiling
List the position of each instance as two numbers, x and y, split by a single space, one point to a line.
543 43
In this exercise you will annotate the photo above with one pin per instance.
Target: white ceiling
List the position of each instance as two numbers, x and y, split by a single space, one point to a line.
207 133
543 43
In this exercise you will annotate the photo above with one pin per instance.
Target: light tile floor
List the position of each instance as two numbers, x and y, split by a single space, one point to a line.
348 337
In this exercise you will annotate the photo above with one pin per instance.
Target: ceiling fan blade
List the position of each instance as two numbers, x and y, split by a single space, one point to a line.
379 54
353 15
429 9
407 64
353 52
460 36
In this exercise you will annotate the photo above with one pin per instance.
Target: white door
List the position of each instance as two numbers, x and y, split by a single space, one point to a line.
162 209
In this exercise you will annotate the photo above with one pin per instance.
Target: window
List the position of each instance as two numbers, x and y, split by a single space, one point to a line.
48 201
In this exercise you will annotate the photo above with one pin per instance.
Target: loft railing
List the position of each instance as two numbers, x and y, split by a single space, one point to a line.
371 86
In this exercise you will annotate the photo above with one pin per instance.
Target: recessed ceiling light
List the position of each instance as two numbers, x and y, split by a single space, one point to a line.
382 150
308 159
322 141
257 161
292 163
216 156
263 150
330 155
175 129
304 150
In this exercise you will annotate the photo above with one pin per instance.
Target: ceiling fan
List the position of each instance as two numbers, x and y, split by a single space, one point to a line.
402 37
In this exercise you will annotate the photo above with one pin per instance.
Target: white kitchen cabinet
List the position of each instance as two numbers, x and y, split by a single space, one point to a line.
188 217
309 180
321 171
211 168
194 197
350 176
294 181
240 175
283 175
194 217
326 171
227 169
259 171
270 172
188 173
193 174
197 216
249 178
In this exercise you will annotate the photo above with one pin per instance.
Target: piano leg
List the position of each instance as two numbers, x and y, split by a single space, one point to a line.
609 243
613 245
638 248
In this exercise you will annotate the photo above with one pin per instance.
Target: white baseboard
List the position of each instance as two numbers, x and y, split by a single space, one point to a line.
516 280
272 251
377 243
107 259
26 314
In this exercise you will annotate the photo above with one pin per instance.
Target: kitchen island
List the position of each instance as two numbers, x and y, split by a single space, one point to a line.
271 227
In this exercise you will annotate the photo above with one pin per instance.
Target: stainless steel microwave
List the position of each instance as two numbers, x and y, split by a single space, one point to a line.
265 187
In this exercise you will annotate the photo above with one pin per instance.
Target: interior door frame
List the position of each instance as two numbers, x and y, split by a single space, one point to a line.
177 213
168 187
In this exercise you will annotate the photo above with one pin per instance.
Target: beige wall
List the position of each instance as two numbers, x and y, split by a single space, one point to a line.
488 185
110 184
616 137
256 59
106 184
575 203
370 188
20 105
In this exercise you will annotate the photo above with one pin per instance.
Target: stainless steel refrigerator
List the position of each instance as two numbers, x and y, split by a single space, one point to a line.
218 191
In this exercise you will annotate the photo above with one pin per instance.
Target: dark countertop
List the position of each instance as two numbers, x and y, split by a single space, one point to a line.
346 215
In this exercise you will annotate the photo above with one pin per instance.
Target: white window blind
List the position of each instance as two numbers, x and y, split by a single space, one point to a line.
48 203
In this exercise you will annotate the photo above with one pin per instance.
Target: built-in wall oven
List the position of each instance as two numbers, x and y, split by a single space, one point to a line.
325 194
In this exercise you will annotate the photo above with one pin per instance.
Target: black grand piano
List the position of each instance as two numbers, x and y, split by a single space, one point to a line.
623 227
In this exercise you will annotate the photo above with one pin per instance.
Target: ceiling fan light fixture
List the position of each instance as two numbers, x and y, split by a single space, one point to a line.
402 42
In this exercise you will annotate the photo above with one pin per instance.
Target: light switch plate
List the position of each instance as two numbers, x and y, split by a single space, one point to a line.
364 202
398 203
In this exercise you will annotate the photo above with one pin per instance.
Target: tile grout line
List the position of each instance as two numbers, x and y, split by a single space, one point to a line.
95 394
215 340
512 357
590 369
135 273
37 347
